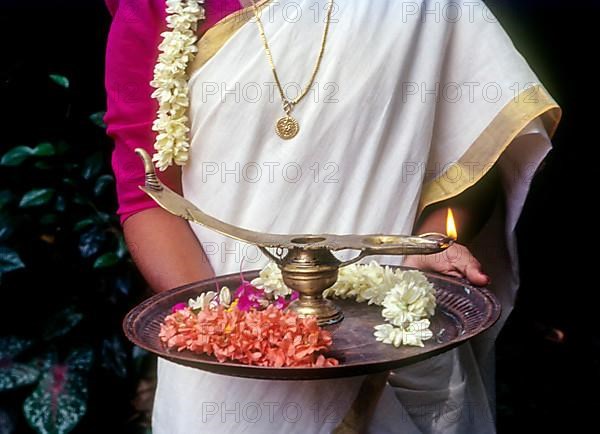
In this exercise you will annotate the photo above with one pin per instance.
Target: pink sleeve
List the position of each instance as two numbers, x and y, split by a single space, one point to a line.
131 53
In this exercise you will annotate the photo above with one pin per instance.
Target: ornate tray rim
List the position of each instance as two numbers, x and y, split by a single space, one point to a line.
291 373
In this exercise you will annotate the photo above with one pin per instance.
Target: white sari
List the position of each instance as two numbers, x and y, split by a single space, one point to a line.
377 144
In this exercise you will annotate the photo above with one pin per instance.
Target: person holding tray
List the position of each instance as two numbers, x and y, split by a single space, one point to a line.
315 116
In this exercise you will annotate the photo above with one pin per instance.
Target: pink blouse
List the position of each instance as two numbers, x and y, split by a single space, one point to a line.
131 53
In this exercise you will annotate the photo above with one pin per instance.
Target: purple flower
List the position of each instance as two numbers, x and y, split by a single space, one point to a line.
280 303
249 296
178 306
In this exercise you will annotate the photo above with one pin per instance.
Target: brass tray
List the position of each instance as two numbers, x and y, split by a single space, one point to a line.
463 312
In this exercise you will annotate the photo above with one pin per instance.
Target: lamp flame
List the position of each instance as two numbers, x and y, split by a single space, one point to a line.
451 225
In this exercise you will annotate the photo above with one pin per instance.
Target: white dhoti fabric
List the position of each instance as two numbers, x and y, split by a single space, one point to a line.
413 103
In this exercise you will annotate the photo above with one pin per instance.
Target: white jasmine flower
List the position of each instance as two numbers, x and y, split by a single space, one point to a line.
410 299
413 335
271 281
369 282
202 302
362 282
225 297
177 51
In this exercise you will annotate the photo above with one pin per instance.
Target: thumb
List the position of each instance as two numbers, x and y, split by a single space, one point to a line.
473 272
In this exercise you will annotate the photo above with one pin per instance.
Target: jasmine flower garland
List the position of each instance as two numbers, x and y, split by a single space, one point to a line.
413 334
407 297
270 280
177 50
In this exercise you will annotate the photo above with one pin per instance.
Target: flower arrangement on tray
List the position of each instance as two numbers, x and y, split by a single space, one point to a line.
253 325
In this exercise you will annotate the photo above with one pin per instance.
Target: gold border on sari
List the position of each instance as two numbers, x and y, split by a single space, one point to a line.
214 38
491 143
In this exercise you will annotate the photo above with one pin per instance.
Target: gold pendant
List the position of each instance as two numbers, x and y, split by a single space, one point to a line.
287 127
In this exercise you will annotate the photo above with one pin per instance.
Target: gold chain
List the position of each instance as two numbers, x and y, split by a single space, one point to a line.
287 127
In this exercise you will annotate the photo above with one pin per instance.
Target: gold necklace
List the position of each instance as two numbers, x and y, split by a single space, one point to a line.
287 127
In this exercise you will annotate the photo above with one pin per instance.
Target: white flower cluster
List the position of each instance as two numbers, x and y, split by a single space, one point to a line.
414 334
210 300
407 307
411 299
407 297
177 50
370 282
271 281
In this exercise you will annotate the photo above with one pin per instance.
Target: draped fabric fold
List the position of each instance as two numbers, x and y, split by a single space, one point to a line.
413 103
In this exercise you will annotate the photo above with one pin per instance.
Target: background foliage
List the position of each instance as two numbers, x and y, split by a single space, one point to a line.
66 278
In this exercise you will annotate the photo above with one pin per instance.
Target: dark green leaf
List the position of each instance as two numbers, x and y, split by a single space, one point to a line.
7 422
70 181
59 401
11 347
141 361
122 249
7 226
62 147
80 359
82 224
92 166
44 149
80 199
114 356
123 285
44 361
107 260
5 197
14 375
101 183
98 119
42 165
16 156
49 219
105 217
60 204
61 80
62 323
90 242
9 260
36 197
138 353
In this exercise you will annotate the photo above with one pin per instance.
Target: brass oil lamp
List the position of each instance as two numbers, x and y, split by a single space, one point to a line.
309 265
